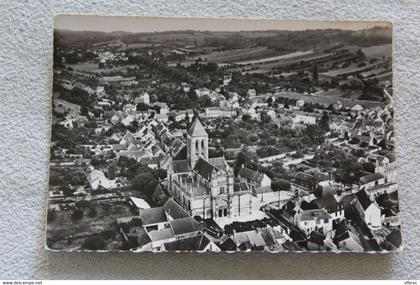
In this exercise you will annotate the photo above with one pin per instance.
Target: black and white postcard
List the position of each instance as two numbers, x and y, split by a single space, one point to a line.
223 135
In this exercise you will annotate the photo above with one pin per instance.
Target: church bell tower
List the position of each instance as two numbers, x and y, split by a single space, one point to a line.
197 143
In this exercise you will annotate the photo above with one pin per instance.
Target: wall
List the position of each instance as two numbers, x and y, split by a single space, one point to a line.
25 66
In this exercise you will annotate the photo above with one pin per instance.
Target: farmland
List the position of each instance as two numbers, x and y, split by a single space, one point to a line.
378 51
327 100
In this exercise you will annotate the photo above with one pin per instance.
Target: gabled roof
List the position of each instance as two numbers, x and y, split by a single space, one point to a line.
143 238
197 129
198 242
329 203
163 234
140 203
204 168
317 237
251 175
184 225
364 199
291 246
371 177
228 245
181 166
174 210
153 216
307 215
395 238
219 162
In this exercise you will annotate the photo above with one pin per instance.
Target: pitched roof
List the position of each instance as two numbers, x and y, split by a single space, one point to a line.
198 242
184 225
153 216
143 238
197 129
371 177
329 203
395 238
228 245
291 246
317 237
162 234
174 210
180 166
364 199
307 215
204 168
140 203
261 190
219 162
250 174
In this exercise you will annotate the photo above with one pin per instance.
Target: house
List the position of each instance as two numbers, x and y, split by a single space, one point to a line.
227 79
160 237
249 240
345 239
259 183
300 103
100 91
254 178
366 210
202 92
138 204
311 220
154 219
394 240
143 98
334 208
185 227
199 243
372 180
357 108
305 118
251 93
97 179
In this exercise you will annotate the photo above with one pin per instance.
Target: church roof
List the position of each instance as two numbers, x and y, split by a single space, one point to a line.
219 162
204 168
180 166
250 174
197 129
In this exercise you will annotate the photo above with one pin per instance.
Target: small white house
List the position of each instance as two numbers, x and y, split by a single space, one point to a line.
311 220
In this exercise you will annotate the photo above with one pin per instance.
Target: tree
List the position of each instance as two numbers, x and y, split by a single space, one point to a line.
95 242
246 159
349 171
145 182
51 215
324 122
77 214
280 185
92 212
315 73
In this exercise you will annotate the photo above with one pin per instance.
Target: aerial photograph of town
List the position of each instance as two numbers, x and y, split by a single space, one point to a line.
221 135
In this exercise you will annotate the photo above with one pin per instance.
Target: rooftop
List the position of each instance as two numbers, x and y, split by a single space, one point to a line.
197 129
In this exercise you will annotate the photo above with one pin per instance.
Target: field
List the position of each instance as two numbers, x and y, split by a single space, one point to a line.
267 66
276 58
327 100
378 51
347 70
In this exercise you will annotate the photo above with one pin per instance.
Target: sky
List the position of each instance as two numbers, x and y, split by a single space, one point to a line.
158 24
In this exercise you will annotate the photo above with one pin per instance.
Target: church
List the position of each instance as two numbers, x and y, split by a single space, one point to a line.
204 186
